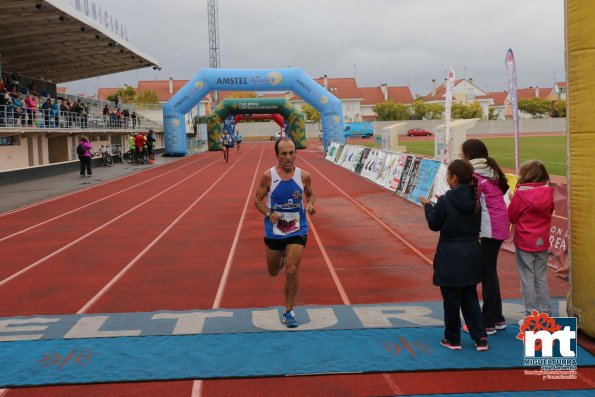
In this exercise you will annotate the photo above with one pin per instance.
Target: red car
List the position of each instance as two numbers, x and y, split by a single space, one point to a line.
418 132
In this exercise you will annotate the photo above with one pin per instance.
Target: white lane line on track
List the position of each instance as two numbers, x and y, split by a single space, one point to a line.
395 390
329 264
10 212
384 225
86 205
152 243
36 263
197 383
93 300
391 383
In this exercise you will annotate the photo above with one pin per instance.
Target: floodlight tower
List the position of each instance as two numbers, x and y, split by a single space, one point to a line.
213 19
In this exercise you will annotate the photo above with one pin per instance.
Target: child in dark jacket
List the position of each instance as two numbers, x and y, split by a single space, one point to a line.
457 262
530 210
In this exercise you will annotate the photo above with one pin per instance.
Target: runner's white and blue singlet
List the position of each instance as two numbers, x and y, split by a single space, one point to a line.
286 198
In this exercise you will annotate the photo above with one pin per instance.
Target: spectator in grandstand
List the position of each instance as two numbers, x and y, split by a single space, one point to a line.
2 84
457 271
14 82
85 114
126 118
31 105
55 112
85 158
75 110
65 111
3 106
106 114
16 109
46 109
133 117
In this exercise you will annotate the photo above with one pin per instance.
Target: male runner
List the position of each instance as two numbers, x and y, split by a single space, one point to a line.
280 198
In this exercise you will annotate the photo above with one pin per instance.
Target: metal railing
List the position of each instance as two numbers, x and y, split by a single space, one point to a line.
15 117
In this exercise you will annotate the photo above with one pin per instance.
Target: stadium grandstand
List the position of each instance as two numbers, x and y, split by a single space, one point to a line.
55 42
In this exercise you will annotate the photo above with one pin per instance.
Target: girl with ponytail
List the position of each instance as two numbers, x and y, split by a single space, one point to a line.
495 228
457 270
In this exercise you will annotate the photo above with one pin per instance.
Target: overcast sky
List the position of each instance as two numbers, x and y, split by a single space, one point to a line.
398 42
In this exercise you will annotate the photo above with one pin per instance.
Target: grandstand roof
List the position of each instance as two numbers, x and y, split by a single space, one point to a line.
49 40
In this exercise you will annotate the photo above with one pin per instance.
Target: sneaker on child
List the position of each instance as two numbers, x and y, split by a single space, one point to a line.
500 325
489 330
288 318
446 343
481 345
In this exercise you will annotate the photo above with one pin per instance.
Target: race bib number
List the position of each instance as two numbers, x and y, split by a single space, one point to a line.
289 223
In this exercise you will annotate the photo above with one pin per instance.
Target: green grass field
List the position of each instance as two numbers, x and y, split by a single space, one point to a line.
551 150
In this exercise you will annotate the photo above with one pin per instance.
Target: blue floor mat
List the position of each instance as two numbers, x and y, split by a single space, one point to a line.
206 356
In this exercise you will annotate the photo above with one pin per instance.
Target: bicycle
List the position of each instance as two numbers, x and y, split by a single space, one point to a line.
133 157
106 156
116 153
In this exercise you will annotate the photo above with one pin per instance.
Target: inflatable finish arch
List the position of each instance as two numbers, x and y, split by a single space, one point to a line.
294 79
580 63
296 122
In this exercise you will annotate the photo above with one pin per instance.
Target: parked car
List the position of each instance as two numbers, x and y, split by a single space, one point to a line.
363 129
418 132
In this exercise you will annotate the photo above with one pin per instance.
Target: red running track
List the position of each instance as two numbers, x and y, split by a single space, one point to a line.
185 236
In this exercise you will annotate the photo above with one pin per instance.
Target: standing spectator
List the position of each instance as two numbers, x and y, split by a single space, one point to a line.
139 144
457 261
46 109
126 117
85 114
65 112
133 117
106 115
531 208
76 112
17 109
56 113
85 157
495 228
31 106
131 143
151 144
117 102
3 107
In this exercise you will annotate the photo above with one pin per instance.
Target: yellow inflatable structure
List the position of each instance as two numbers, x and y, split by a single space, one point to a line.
580 71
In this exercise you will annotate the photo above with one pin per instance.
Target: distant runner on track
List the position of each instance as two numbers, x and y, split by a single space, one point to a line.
280 198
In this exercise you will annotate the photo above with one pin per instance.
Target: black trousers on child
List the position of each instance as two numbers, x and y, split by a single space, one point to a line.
490 284
457 300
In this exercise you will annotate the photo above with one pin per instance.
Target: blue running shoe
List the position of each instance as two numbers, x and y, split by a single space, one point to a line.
288 318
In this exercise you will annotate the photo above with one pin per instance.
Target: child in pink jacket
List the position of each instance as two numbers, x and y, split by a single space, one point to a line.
530 211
